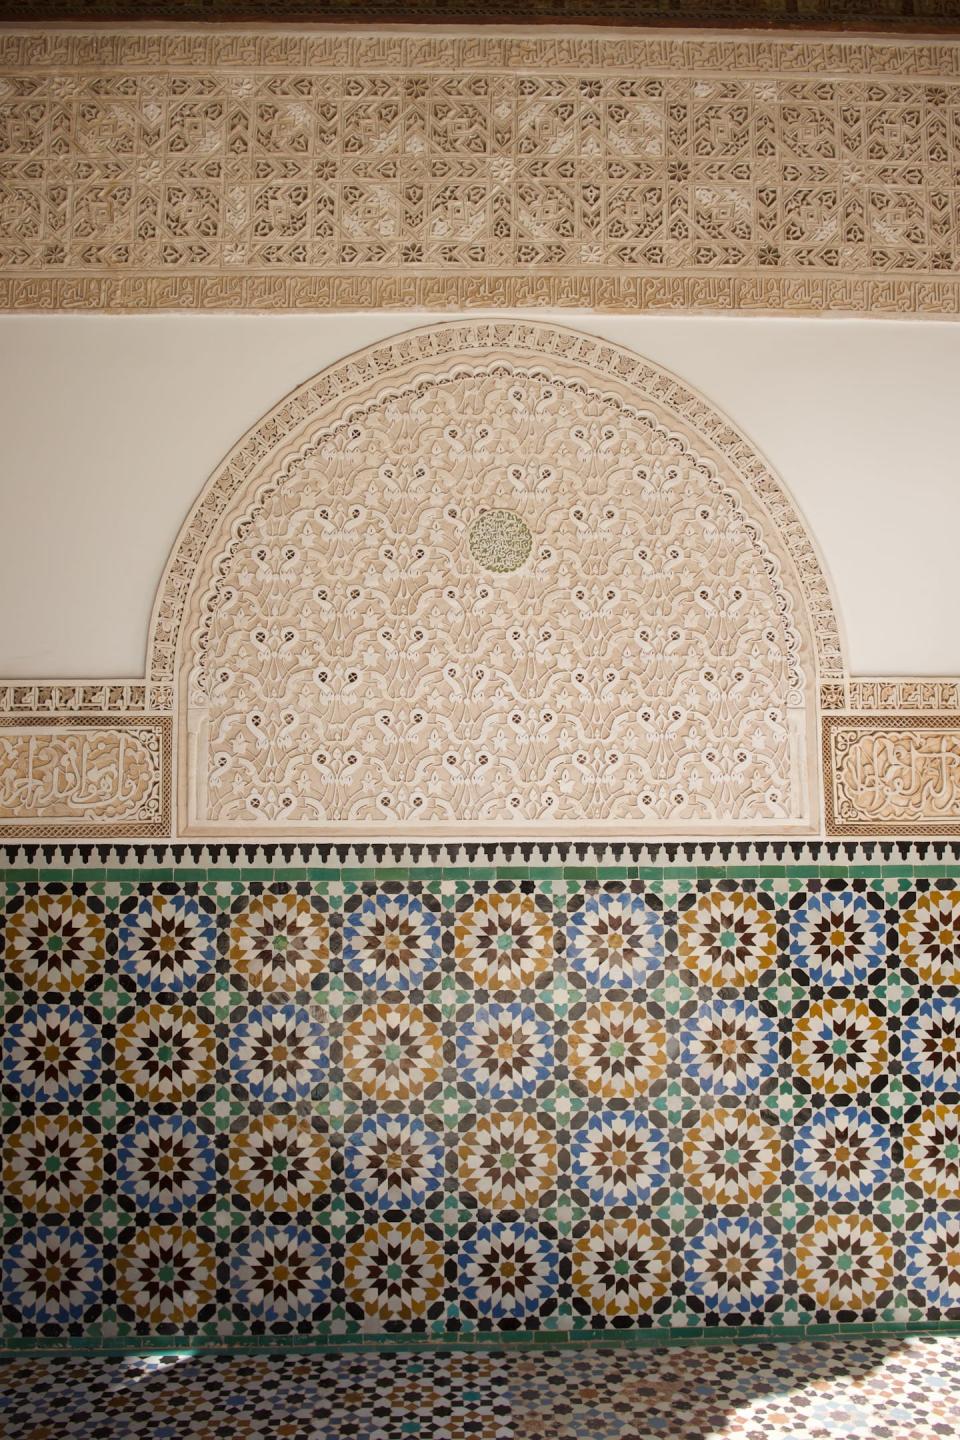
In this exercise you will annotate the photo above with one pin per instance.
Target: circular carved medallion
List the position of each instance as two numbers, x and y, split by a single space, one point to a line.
500 541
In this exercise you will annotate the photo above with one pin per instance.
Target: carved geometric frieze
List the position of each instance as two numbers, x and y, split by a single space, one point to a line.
892 774
102 697
898 696
287 170
85 776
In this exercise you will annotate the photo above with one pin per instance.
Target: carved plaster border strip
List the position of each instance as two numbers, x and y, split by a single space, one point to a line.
919 694
84 776
198 47
101 697
890 774
936 297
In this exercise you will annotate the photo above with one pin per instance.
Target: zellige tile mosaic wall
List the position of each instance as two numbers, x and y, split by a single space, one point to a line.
247 1095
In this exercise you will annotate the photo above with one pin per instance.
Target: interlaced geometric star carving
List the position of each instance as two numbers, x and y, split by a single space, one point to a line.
316 170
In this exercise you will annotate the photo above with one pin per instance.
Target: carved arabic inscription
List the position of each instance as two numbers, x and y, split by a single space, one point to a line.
80 774
890 775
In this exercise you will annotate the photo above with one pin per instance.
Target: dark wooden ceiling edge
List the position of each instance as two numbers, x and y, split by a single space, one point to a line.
912 30
600 15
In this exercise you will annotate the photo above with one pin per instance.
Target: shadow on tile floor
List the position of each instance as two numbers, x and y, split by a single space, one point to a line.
850 1389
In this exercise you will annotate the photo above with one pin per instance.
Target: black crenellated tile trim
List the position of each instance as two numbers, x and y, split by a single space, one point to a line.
460 853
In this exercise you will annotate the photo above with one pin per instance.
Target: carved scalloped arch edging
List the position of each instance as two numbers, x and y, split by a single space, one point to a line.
314 400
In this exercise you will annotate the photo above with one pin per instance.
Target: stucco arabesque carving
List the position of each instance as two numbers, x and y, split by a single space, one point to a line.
386 679
643 502
526 341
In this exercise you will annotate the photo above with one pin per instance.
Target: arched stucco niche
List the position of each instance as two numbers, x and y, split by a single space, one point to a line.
495 577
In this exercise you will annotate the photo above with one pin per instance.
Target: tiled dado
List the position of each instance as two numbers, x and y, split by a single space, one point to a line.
299 1094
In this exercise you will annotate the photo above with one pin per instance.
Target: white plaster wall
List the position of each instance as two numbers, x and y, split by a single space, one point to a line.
110 425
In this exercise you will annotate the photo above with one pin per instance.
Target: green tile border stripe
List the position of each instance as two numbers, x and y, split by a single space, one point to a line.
486 1340
505 859
687 876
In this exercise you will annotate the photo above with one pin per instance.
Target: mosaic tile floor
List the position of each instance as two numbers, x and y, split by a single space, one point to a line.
850 1389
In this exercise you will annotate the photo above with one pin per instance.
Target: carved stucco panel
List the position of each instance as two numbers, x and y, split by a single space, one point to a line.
113 697
85 776
681 409
497 593
892 775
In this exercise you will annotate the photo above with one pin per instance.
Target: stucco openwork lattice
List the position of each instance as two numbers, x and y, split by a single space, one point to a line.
350 659
294 170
